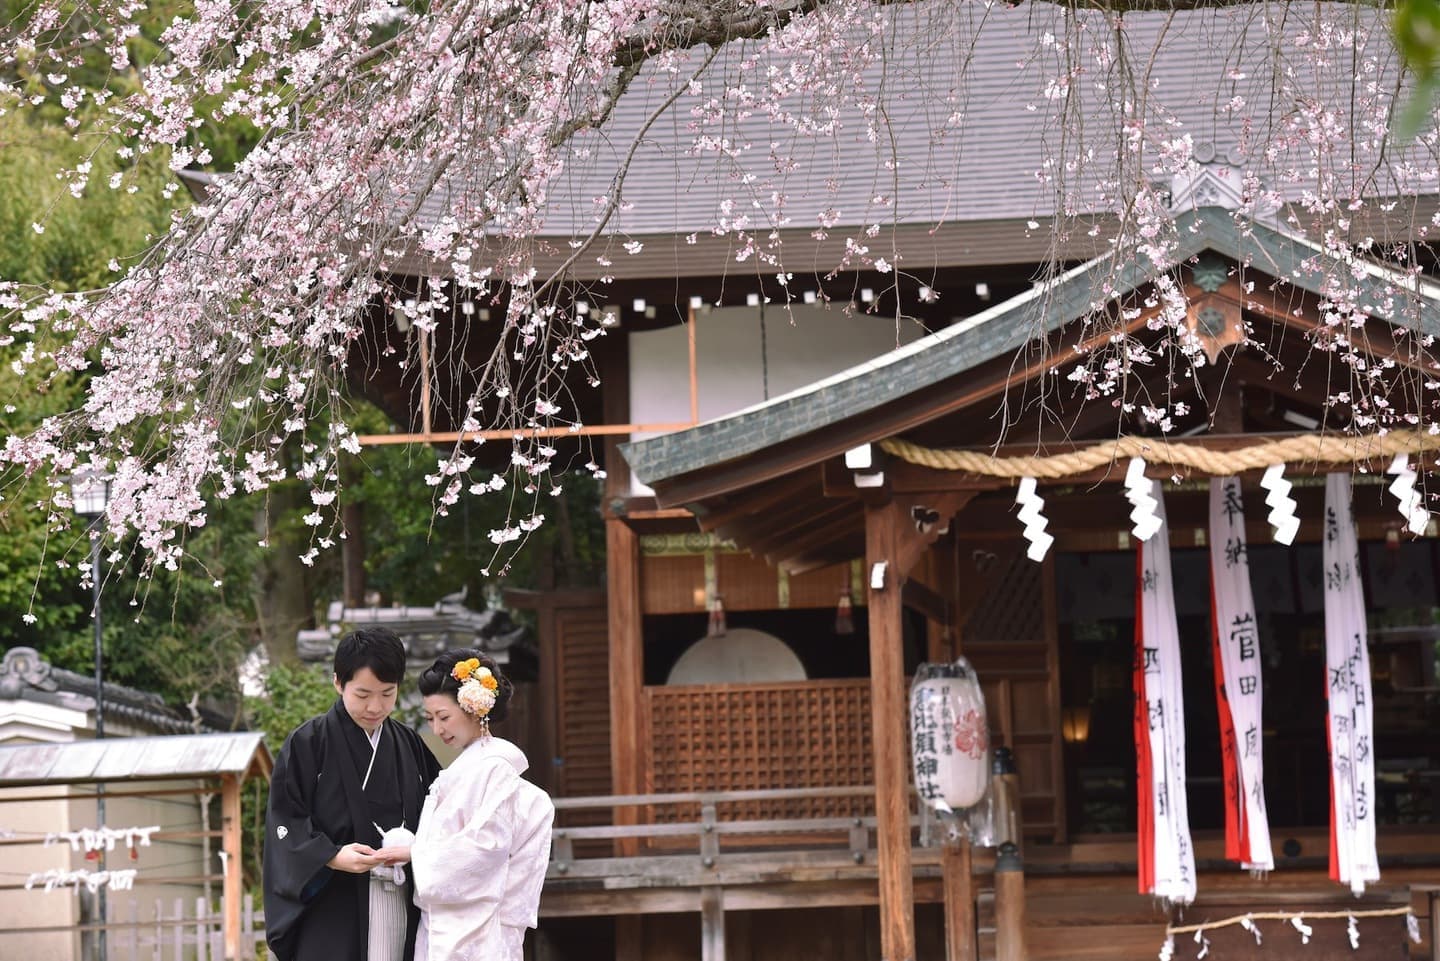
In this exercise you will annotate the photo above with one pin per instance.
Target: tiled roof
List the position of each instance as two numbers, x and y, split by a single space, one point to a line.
998 331
25 675
966 91
135 758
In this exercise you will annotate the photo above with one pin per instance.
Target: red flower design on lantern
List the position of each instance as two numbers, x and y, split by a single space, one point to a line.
971 737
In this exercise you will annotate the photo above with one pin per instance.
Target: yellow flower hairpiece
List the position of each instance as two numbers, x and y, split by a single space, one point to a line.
463 669
478 687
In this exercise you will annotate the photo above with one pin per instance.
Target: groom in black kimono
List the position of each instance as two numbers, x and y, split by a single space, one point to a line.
339 780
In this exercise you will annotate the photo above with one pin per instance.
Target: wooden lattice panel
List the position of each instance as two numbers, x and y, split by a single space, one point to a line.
740 737
1008 609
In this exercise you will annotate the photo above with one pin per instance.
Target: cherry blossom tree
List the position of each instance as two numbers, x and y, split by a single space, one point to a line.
445 141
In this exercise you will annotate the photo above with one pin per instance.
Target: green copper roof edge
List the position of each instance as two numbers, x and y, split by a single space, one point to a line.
1005 327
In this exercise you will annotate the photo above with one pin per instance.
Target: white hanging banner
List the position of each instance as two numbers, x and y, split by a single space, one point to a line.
1166 858
1238 681
1347 686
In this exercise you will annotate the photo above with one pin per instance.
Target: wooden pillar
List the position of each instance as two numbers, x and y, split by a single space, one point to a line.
887 710
629 938
1435 925
712 923
959 892
230 844
622 563
1009 905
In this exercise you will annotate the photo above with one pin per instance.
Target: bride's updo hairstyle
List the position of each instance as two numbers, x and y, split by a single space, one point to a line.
439 678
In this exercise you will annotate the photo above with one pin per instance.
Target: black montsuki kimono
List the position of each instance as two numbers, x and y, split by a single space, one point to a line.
314 913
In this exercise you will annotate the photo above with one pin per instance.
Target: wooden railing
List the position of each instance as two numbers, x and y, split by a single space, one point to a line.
780 742
178 929
693 843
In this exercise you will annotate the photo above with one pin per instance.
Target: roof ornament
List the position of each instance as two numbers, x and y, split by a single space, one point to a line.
426 630
24 667
1213 180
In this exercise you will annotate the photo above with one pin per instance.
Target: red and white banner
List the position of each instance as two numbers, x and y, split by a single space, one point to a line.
1166 858
1347 689
1238 679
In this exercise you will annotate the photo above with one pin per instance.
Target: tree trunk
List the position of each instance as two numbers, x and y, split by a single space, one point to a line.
352 548
283 605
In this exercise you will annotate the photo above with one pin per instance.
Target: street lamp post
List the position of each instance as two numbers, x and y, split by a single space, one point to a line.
90 493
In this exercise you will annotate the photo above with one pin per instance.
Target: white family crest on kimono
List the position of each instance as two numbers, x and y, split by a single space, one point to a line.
480 855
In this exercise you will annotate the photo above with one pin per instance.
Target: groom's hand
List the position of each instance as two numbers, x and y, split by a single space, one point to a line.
354 858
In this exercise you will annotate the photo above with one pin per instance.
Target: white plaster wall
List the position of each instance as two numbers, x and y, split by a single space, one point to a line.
29 722
741 656
801 346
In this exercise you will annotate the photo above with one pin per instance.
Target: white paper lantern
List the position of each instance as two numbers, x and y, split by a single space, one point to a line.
950 736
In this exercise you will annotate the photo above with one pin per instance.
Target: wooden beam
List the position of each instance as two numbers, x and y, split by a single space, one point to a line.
884 528
919 596
230 844
626 662
799 484
508 433
960 944
827 541
925 520
818 526
847 547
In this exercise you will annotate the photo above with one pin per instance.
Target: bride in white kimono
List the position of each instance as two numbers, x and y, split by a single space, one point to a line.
483 842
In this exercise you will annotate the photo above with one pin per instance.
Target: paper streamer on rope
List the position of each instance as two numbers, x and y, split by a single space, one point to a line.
1031 515
1166 857
1282 506
102 838
1347 685
1417 518
91 880
1238 680
1299 920
1139 492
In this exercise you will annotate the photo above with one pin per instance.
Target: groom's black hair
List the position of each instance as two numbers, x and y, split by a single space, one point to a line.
377 648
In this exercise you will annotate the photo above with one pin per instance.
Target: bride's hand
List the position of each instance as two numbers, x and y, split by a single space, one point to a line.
395 854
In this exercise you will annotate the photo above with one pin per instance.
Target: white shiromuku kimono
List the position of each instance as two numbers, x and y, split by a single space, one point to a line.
480 856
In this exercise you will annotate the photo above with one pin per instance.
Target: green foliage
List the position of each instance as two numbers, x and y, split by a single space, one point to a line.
228 138
1417 36
177 633
414 557
80 236
293 694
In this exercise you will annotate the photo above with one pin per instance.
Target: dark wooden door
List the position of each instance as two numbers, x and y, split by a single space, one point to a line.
1008 633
